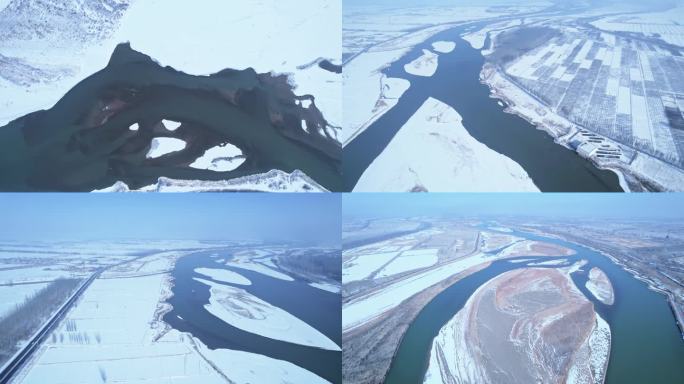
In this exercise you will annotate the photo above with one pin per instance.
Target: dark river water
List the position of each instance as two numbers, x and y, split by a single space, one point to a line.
318 308
646 345
66 149
457 83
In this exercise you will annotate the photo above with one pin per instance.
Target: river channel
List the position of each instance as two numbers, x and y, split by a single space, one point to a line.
646 345
552 167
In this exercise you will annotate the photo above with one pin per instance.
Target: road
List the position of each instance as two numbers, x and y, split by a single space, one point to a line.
22 357
17 362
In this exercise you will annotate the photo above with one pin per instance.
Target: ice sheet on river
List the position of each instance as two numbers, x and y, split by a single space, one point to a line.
245 311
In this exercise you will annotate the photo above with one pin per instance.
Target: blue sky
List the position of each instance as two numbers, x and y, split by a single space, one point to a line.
577 205
311 218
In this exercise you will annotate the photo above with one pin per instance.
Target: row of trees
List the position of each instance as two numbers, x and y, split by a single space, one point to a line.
29 316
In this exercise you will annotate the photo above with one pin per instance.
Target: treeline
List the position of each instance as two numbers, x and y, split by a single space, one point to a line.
29 316
320 263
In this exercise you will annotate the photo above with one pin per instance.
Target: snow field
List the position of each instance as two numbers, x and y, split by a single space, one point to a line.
224 276
243 310
410 260
434 152
161 146
362 266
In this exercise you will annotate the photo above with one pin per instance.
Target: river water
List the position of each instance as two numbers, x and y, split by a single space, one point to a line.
646 345
457 84
60 150
320 309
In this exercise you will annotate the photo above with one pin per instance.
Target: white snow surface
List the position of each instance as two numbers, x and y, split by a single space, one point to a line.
362 266
224 275
13 295
358 312
161 146
221 158
171 125
108 334
434 152
111 335
260 268
250 368
425 66
245 311
602 293
410 260
280 36
368 93
333 288
443 46
272 181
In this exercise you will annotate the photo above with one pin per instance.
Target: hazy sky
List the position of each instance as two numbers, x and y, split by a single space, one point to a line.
404 3
312 218
656 205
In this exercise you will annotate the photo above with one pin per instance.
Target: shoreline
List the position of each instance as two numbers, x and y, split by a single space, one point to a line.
487 74
650 284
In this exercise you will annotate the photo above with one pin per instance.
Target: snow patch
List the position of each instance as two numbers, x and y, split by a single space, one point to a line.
260 268
425 65
221 158
161 146
171 125
443 46
327 287
224 276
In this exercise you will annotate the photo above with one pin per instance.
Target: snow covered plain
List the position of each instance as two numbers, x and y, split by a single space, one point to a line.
268 35
410 260
434 152
243 310
115 334
358 312
664 25
13 295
